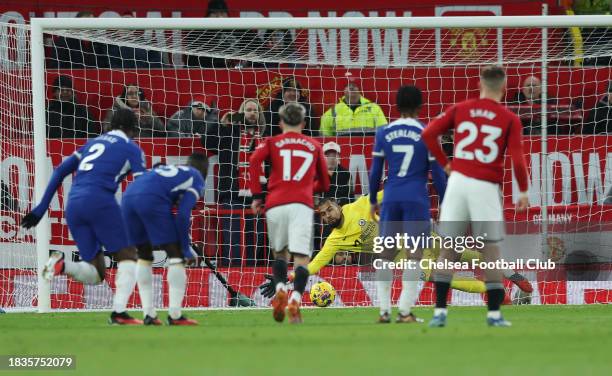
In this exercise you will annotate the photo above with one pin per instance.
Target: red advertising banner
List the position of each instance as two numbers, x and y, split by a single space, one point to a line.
579 167
204 290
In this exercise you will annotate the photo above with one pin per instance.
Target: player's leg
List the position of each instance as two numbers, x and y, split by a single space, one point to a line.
277 220
91 269
454 215
300 246
390 225
177 283
144 279
137 235
488 221
110 231
416 223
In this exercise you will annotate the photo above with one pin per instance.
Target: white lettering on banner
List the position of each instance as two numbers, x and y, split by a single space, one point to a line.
392 44
327 42
327 38
589 192
358 167
566 184
8 167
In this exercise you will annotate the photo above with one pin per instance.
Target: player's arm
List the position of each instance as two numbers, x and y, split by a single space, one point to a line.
257 158
378 161
434 130
515 148
68 166
138 165
182 220
439 179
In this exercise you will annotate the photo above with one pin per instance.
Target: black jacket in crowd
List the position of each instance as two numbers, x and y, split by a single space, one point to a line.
341 187
69 120
599 119
224 141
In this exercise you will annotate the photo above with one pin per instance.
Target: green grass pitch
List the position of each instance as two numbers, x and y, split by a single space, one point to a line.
545 340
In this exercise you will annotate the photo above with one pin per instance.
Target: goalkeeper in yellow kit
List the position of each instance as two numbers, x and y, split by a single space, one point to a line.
354 230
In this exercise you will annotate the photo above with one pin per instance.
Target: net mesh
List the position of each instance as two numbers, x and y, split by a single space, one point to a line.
158 74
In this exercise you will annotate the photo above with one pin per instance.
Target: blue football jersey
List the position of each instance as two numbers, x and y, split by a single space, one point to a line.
168 182
408 160
104 162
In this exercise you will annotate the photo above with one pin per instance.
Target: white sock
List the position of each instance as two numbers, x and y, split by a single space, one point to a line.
125 281
383 288
144 276
281 286
296 296
440 311
82 271
177 280
410 293
494 314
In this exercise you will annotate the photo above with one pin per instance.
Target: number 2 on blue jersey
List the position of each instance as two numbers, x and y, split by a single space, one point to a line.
94 151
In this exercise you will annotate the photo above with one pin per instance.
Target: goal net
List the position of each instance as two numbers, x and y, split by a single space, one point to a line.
219 90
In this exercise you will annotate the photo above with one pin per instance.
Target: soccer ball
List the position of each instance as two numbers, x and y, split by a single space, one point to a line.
322 294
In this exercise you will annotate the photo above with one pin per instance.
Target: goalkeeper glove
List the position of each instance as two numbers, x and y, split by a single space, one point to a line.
268 289
30 220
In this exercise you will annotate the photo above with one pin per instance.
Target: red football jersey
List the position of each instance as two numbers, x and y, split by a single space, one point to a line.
484 129
296 162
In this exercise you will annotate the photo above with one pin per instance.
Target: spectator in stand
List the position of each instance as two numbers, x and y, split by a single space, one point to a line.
236 42
65 117
125 57
291 91
352 114
531 91
341 188
530 95
194 119
71 53
233 140
132 97
599 119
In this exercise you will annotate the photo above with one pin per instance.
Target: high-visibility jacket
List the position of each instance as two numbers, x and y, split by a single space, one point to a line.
340 118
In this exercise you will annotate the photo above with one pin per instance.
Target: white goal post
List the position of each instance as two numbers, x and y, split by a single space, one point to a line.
66 26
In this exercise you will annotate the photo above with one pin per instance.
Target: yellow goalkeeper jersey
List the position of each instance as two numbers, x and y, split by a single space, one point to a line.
355 235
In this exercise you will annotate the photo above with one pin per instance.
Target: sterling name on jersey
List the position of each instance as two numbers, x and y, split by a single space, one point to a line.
408 160
104 162
168 182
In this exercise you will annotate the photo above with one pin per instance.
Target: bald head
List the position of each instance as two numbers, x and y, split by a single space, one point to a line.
532 88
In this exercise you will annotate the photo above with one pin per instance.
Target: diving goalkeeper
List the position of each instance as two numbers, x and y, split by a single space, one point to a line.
354 230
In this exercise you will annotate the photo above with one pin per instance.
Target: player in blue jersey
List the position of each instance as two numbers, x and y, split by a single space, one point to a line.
92 212
147 207
406 203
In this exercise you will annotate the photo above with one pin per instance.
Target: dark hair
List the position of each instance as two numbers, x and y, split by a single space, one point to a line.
216 6
124 119
409 99
141 95
292 114
61 82
493 76
326 200
199 161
